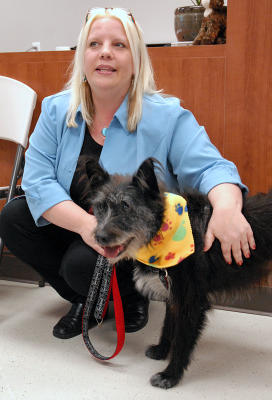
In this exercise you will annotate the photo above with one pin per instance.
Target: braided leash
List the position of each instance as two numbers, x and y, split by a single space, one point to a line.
104 277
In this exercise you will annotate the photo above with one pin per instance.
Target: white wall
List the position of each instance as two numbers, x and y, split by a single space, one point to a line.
58 22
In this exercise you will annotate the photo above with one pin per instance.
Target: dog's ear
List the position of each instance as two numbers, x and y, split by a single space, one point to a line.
91 178
97 175
145 177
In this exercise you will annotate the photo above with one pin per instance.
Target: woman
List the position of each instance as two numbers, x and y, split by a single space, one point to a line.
113 111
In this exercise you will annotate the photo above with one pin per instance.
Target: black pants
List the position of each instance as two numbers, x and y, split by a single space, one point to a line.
59 255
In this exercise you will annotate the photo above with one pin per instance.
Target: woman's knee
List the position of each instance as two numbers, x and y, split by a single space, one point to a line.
11 212
13 217
78 265
14 209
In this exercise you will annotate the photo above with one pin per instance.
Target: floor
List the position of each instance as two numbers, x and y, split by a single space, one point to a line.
232 361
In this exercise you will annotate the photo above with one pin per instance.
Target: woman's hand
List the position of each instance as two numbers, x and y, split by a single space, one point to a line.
86 231
69 215
228 224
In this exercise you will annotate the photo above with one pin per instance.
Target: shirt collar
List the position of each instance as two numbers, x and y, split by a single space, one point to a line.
121 114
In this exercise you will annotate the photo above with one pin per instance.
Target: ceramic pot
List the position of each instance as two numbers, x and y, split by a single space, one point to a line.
188 22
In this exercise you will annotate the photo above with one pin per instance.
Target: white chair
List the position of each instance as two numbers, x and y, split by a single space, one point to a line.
17 103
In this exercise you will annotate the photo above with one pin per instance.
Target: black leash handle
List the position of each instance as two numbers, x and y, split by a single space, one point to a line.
101 278
104 288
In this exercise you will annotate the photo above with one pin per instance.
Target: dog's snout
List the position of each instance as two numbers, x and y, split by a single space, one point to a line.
102 238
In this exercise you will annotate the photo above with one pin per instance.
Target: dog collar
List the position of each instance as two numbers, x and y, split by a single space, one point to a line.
174 242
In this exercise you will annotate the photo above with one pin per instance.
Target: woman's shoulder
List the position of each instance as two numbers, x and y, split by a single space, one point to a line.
161 107
160 100
60 99
55 107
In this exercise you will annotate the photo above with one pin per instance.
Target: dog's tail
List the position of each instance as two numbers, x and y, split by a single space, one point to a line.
258 212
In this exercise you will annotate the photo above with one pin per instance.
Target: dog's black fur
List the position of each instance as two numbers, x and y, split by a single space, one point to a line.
136 202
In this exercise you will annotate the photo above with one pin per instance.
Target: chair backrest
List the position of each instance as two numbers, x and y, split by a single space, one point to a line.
17 103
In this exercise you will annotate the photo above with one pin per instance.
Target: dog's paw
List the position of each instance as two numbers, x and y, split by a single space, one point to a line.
156 352
163 380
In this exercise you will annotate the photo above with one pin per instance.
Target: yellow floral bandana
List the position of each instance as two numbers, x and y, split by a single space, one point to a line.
174 241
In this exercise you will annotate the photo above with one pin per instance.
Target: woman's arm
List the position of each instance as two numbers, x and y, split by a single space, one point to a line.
50 158
198 164
70 216
228 224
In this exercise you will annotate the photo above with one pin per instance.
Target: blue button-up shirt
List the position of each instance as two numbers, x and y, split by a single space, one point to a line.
166 132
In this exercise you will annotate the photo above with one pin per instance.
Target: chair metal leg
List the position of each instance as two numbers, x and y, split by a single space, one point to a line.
15 172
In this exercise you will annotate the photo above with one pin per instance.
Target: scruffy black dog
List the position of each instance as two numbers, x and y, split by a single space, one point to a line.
130 212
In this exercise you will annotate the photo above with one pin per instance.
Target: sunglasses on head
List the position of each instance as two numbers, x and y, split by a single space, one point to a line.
110 8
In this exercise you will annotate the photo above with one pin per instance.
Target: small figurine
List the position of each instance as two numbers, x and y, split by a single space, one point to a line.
214 23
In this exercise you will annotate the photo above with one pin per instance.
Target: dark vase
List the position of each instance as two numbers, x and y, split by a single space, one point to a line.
188 22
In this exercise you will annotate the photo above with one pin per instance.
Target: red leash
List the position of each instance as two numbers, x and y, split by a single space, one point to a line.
119 315
103 267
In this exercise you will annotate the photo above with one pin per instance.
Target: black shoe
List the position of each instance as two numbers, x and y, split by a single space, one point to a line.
71 324
135 312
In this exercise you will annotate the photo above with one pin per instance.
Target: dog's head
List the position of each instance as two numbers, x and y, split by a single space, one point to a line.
129 210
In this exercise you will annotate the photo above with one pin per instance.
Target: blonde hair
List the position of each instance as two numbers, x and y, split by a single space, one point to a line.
143 81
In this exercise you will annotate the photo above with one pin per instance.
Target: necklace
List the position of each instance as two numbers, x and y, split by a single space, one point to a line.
98 136
104 132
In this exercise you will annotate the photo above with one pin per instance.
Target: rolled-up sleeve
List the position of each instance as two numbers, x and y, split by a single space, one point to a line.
195 161
40 183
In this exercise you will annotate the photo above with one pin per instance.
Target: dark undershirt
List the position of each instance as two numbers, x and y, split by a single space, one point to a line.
91 148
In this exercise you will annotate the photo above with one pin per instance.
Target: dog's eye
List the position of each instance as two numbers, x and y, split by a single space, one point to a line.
124 205
103 207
